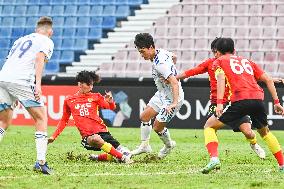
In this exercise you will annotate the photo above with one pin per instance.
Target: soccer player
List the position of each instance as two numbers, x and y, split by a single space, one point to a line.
167 100
241 125
246 98
84 107
20 80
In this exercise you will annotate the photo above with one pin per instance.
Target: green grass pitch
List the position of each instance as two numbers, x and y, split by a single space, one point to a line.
240 168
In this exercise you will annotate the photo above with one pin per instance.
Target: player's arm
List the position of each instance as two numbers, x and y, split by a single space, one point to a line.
272 90
39 66
62 123
200 69
221 83
174 58
175 91
278 80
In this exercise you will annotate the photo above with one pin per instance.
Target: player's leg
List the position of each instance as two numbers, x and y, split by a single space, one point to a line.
245 127
259 120
160 123
40 118
273 145
211 142
6 111
146 116
97 141
25 95
164 135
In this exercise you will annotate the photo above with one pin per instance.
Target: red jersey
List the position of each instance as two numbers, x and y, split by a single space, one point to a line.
207 66
241 75
85 111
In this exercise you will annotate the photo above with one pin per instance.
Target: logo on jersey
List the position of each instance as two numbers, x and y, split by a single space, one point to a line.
90 99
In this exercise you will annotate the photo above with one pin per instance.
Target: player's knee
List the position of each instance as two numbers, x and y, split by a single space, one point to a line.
144 118
263 131
95 140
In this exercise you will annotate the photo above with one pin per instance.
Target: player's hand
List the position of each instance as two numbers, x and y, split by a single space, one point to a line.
278 109
38 93
278 80
50 140
219 110
108 96
164 80
170 107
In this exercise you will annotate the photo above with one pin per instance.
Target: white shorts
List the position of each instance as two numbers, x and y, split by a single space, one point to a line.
10 93
159 104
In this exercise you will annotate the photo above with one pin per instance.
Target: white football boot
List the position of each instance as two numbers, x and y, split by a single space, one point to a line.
258 150
166 150
142 149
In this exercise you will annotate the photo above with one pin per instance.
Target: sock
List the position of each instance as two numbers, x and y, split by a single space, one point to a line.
104 157
41 145
146 129
2 133
252 141
108 148
165 136
274 147
211 142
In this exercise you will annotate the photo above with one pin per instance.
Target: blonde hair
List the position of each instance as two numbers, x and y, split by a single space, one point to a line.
44 22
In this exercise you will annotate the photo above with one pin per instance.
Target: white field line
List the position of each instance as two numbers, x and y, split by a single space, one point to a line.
105 174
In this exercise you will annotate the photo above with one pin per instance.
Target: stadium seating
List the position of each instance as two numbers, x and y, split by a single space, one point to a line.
75 23
190 26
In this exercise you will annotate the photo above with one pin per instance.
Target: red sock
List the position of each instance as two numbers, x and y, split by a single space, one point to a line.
115 153
279 156
102 157
212 148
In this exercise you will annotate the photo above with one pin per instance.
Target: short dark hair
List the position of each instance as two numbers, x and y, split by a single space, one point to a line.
225 45
144 40
44 21
87 77
213 43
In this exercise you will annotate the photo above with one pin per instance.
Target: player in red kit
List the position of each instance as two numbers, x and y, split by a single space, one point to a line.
84 107
239 125
246 97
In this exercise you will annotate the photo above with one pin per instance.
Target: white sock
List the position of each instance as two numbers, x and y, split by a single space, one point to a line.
146 129
165 136
214 158
2 133
41 145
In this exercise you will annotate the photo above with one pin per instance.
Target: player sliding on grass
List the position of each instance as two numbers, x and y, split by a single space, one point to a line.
166 102
84 107
20 80
242 124
246 98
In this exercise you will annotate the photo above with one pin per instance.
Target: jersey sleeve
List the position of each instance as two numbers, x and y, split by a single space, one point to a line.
104 104
200 69
46 47
64 120
257 70
217 67
164 70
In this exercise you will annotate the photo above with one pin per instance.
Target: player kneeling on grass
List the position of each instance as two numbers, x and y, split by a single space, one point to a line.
84 106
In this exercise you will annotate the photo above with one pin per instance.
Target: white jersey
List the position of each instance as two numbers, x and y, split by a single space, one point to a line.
163 66
19 67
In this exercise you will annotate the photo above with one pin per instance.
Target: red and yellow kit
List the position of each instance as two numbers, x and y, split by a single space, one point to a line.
85 111
241 75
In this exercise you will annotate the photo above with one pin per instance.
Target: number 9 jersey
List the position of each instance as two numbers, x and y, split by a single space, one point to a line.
241 77
19 66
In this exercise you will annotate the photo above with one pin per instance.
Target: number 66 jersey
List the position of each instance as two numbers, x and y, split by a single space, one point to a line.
241 77
19 66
